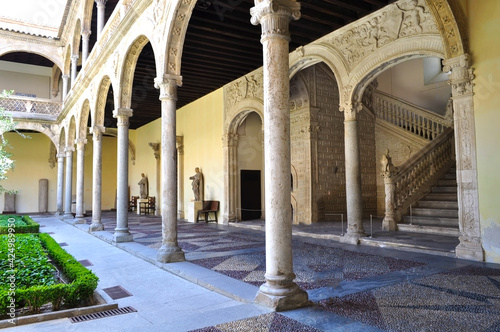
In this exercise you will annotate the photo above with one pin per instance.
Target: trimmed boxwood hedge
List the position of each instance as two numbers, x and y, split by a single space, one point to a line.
23 224
81 286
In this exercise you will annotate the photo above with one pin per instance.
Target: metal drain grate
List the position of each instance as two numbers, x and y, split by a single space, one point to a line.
102 314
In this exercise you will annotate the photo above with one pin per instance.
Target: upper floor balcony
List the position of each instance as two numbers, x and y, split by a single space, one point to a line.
29 108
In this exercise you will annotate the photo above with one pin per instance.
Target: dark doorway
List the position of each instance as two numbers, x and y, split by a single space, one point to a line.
250 195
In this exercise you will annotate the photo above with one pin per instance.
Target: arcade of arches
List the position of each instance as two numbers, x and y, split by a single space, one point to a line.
305 132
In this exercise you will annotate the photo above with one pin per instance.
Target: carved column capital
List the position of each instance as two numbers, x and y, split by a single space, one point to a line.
69 151
60 157
86 33
65 77
351 109
74 58
80 143
156 149
123 115
461 75
96 132
168 86
275 16
101 3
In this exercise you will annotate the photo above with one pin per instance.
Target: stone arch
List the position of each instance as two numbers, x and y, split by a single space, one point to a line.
61 147
128 69
176 33
84 113
315 53
46 130
235 117
88 6
71 132
97 114
32 48
77 36
66 69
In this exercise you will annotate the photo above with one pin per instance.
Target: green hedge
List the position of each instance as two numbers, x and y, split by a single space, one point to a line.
22 224
81 287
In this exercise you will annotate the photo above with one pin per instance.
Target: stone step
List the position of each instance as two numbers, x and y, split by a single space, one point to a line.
441 196
451 189
431 221
450 176
447 183
449 204
450 231
433 212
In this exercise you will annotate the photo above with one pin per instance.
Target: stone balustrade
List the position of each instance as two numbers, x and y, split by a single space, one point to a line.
31 108
411 181
419 121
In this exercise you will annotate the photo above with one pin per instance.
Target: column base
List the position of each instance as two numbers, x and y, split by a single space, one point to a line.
193 209
68 215
352 238
470 248
122 236
389 224
58 213
79 221
96 226
170 254
282 298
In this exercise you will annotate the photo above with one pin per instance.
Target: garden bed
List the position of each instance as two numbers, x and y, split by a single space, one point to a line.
19 224
37 275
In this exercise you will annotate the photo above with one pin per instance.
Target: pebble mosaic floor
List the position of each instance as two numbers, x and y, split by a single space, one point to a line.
384 290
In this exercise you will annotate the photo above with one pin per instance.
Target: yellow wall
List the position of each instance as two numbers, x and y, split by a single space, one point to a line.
484 24
201 126
31 157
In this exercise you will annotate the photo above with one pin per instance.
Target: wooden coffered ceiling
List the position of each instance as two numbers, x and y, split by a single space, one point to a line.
221 45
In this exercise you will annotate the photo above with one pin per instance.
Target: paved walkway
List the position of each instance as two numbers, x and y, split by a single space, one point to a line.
353 288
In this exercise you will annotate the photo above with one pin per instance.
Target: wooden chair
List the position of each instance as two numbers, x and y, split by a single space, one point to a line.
209 207
148 207
133 203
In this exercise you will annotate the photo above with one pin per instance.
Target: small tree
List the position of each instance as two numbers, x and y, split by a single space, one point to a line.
6 124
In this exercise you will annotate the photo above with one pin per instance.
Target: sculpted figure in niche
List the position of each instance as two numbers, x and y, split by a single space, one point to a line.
143 186
196 184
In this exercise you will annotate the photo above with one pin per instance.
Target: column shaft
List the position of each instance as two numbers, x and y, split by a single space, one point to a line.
96 224
69 180
80 162
122 233
65 87
85 45
353 179
101 7
279 291
74 65
170 250
60 183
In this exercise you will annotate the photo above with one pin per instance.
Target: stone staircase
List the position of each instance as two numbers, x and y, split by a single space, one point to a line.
436 212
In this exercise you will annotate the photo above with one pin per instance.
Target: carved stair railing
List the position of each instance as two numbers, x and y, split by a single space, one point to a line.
411 181
409 117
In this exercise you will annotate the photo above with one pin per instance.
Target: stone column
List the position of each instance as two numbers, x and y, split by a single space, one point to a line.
230 147
96 224
80 162
74 65
170 250
65 79
461 77
156 152
85 44
122 233
279 291
101 8
60 183
353 174
69 180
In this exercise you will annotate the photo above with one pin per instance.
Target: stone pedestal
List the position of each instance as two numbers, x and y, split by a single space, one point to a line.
139 201
193 209
43 195
9 203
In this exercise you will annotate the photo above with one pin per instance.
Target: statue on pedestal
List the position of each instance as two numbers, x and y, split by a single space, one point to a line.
143 186
196 184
